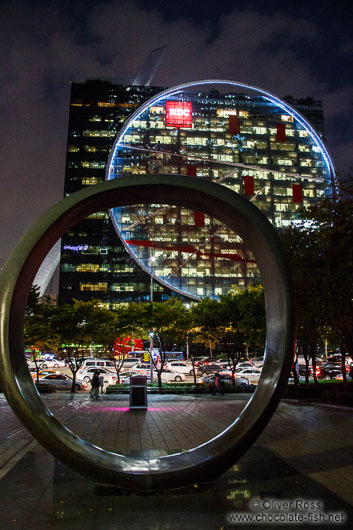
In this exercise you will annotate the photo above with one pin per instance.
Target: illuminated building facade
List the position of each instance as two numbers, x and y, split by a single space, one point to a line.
94 263
230 133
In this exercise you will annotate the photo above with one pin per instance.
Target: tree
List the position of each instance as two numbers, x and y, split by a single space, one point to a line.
208 323
38 333
79 326
132 327
303 244
169 322
320 250
232 335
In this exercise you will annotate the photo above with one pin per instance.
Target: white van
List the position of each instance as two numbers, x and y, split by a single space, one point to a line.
97 363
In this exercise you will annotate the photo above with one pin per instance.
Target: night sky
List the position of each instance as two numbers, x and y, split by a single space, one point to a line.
299 48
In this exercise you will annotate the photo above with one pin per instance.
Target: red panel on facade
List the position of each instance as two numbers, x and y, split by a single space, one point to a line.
233 124
199 218
191 171
297 193
248 185
178 114
281 132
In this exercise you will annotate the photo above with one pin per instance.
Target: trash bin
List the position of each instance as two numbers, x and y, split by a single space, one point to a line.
138 392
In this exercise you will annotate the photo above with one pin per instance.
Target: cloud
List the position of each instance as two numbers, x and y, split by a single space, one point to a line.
42 52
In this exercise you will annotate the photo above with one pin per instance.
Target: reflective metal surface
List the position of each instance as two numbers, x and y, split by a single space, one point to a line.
201 463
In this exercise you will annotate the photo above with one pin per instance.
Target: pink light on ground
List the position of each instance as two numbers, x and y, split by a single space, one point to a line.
126 409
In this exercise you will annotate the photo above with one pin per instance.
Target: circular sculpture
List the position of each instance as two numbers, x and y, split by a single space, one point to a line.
217 455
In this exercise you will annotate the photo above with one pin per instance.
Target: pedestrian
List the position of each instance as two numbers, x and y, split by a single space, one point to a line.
101 382
218 388
351 371
95 385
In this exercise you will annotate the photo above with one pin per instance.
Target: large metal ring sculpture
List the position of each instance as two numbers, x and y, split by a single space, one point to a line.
217 455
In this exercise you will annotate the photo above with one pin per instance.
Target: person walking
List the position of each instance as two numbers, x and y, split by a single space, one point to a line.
95 385
218 387
101 382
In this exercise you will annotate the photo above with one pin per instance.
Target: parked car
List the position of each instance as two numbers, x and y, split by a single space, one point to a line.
245 364
110 378
125 376
180 367
251 374
62 382
42 364
41 373
240 383
54 363
167 374
336 358
302 370
199 360
224 360
329 371
208 360
142 368
32 364
207 369
97 363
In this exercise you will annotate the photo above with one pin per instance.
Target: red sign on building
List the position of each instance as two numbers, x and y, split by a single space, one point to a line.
178 114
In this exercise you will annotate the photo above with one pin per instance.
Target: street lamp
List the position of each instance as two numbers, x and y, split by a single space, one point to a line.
152 261
187 306
151 362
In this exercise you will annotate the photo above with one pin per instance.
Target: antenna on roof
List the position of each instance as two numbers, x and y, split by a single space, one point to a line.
149 67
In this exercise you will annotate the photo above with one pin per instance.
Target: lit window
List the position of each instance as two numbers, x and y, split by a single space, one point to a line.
102 133
93 165
102 286
261 130
90 181
304 148
87 267
107 104
286 117
302 134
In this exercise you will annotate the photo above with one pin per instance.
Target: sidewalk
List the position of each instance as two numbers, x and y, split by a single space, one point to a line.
305 452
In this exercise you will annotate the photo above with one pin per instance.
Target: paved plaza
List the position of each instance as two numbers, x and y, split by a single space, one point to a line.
305 453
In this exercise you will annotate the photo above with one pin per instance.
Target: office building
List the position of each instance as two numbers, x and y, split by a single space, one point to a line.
230 133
